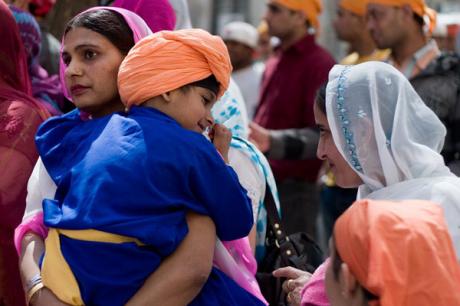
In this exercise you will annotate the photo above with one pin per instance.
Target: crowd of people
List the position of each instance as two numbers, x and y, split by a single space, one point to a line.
137 156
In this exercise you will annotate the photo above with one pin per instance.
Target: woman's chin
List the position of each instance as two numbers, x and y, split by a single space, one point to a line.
345 183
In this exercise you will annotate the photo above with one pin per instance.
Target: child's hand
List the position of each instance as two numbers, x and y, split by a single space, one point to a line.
221 137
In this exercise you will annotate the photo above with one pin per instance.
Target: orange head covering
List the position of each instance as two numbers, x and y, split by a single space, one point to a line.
168 60
357 7
400 252
311 9
418 6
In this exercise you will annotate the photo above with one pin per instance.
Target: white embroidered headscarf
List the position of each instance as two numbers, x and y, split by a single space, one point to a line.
391 138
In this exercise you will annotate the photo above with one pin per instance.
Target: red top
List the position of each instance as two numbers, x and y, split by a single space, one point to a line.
289 86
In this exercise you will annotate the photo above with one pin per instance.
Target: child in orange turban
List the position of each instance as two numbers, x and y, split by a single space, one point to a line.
136 175
168 60
393 254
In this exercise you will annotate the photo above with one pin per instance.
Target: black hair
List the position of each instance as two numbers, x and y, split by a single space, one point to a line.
320 98
337 263
210 83
108 23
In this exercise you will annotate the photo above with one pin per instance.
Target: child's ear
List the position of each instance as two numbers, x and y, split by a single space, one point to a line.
348 282
166 96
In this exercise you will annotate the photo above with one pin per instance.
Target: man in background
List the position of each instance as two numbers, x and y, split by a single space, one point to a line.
405 27
292 76
241 39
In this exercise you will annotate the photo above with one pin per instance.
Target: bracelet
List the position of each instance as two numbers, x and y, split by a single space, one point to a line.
33 291
37 278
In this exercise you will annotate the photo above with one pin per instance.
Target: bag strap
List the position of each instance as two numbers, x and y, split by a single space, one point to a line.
287 251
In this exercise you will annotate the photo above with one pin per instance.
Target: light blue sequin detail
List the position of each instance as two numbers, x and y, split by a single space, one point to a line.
345 121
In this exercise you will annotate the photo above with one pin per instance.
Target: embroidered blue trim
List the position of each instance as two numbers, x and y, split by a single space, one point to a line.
345 121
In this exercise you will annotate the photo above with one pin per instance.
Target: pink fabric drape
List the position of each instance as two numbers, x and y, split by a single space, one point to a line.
235 258
158 14
314 292
20 116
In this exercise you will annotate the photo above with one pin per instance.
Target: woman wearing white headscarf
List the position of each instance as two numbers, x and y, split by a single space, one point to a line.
390 138
377 134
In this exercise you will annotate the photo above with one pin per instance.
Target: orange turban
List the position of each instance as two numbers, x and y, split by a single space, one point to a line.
168 60
400 251
357 7
418 6
311 9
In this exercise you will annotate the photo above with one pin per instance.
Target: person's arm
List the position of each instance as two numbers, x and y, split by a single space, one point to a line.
291 144
39 187
198 244
177 281
30 235
32 249
182 275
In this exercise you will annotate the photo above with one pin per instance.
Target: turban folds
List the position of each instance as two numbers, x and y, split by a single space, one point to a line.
400 251
311 9
418 6
168 60
357 7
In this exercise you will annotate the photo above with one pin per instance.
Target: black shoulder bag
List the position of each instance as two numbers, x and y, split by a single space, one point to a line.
297 250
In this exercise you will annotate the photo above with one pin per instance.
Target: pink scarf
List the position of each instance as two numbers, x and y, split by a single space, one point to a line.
158 14
314 292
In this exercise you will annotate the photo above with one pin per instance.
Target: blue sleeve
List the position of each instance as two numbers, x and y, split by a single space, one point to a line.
217 187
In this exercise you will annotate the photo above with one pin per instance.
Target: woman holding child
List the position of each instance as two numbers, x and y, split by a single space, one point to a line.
190 196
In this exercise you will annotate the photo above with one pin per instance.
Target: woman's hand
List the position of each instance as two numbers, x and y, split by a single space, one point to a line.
44 297
221 138
295 281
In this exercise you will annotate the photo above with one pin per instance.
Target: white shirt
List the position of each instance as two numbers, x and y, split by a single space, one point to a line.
250 178
40 186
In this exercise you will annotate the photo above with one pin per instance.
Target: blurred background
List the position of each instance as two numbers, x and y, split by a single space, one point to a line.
212 15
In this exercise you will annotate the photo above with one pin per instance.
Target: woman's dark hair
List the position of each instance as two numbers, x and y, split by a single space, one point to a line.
320 98
337 263
108 23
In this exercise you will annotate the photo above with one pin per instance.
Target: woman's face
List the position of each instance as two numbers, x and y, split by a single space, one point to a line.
345 176
91 69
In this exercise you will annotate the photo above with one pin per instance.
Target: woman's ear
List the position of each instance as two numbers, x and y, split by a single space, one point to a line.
348 282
